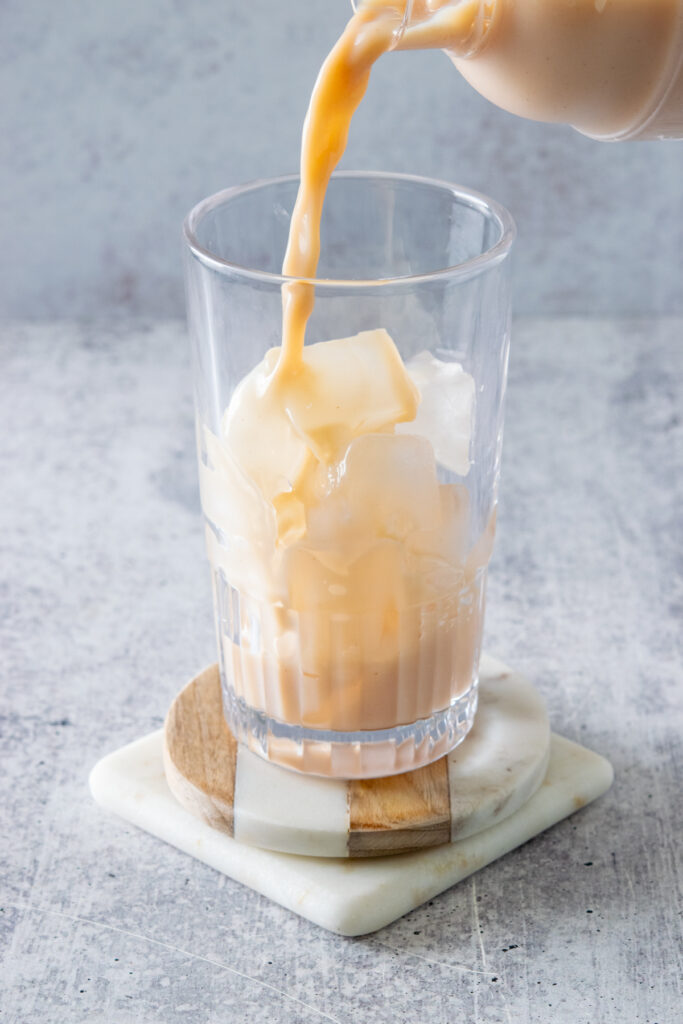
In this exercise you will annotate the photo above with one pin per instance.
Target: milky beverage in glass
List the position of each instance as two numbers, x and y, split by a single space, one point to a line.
323 479
348 576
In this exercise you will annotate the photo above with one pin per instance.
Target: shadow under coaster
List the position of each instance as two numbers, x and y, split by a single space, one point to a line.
327 848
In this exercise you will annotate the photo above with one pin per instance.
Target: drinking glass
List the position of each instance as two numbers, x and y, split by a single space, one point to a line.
368 668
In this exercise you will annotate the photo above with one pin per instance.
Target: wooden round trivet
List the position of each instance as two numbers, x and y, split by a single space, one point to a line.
495 770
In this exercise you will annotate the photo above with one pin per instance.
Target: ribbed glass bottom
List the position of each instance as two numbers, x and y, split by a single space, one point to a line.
351 755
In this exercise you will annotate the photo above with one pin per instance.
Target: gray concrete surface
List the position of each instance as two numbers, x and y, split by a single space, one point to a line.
118 116
105 612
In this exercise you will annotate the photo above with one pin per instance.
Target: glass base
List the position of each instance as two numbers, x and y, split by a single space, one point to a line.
352 755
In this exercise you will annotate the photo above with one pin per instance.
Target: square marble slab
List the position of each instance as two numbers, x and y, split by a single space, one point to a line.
350 897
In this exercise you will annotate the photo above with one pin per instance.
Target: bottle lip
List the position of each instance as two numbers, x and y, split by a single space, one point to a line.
400 29
411 36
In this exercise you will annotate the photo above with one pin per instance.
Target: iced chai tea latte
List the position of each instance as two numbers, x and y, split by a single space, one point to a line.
349 482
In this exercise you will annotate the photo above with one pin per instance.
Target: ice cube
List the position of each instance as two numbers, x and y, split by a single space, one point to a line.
449 539
310 585
333 534
437 557
444 414
259 436
377 582
348 386
384 487
290 515
241 562
380 588
230 501
390 484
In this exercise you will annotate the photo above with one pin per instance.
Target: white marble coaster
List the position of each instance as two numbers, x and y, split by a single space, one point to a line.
350 897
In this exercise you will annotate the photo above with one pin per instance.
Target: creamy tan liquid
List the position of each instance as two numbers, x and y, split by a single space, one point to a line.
341 85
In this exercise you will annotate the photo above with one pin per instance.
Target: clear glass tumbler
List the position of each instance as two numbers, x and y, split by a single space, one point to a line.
349 623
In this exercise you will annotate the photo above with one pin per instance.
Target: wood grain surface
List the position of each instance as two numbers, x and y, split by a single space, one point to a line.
400 813
200 752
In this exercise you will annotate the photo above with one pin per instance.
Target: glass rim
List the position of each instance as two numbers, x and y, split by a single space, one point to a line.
458 271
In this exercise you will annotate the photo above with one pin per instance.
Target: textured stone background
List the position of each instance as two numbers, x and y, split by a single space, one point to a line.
116 117
105 612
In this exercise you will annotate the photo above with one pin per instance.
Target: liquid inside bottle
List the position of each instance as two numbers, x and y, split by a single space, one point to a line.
613 69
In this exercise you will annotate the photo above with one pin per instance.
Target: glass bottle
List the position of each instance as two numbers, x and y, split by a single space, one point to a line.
613 69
